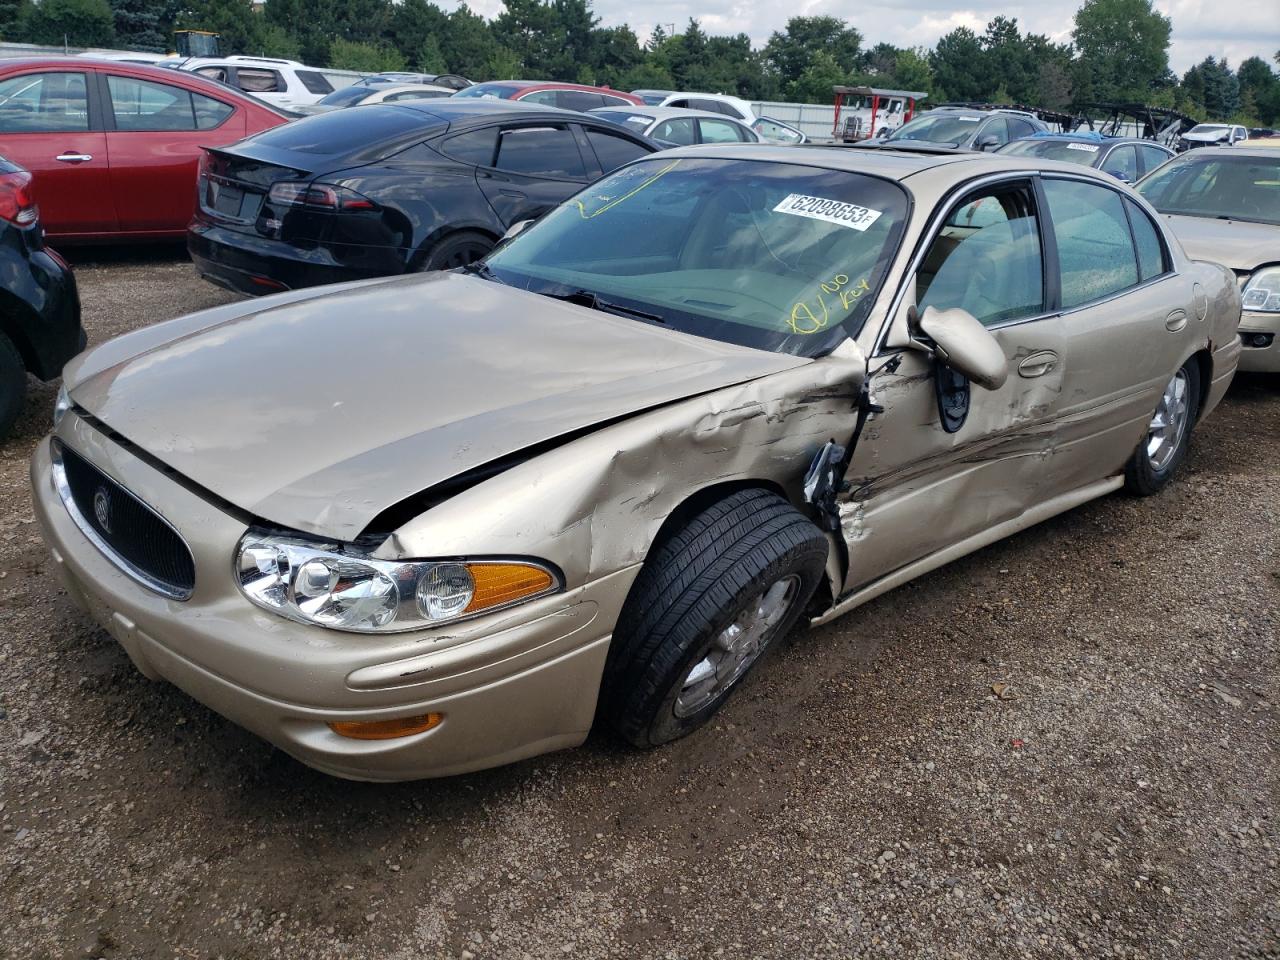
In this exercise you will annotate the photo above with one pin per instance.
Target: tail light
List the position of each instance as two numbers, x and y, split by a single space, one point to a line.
17 201
318 195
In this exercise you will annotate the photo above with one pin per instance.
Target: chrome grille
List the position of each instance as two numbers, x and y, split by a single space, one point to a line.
130 533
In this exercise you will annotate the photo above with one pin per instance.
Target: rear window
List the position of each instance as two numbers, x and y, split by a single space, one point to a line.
341 132
348 96
494 91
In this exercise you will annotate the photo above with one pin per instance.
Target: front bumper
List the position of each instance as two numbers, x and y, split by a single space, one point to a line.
510 685
48 318
1264 359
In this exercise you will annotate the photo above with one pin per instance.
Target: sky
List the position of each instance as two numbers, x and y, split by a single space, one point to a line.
1235 29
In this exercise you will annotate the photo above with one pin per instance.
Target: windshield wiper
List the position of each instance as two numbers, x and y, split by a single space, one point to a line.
593 301
479 268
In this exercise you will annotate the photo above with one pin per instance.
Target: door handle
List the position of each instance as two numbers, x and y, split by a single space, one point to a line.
1175 321
1037 364
74 157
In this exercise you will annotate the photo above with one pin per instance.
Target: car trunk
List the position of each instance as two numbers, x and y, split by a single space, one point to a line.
234 184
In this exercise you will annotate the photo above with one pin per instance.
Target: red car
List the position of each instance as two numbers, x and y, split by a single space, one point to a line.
114 146
567 96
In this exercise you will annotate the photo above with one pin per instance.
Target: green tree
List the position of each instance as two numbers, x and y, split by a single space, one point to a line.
911 70
272 40
234 21
1122 49
959 65
81 23
817 79
794 51
365 57
430 58
144 24
471 50
414 24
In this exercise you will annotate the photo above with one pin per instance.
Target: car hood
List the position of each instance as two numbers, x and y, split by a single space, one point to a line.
1206 137
317 412
1238 244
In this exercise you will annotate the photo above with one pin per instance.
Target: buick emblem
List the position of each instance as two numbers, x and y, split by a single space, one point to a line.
102 509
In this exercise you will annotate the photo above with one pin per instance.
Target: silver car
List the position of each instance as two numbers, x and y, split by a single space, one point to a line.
423 525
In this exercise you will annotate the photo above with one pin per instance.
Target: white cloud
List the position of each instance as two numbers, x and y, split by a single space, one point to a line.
1235 29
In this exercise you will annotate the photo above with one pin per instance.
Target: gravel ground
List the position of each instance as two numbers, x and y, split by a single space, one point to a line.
1063 746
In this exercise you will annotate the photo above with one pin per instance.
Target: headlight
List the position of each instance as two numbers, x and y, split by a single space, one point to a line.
61 405
1262 292
331 585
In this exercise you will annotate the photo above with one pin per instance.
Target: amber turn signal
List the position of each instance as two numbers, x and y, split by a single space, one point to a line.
497 584
385 729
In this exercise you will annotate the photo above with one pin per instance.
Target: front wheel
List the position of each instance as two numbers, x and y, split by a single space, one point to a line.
1164 446
705 609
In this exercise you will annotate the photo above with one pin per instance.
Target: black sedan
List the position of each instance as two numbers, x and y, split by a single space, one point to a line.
390 188
39 306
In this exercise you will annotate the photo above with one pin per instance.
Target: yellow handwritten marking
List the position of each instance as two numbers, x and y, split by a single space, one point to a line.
582 210
804 320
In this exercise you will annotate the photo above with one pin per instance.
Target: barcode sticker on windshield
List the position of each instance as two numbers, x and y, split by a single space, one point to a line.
1086 147
829 211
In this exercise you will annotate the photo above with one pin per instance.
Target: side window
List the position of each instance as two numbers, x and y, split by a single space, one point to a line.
214 73
540 152
475 147
44 103
315 82
255 80
1152 260
1095 248
1151 158
1019 128
613 151
1122 163
719 131
676 131
615 101
210 112
579 100
545 97
142 105
683 104
997 128
986 259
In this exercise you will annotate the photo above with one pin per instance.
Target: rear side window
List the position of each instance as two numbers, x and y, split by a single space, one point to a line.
579 100
44 102
1019 128
1095 248
475 147
339 132
1146 240
540 152
613 151
1151 158
214 73
315 82
614 101
143 105
547 98
720 131
676 131
255 80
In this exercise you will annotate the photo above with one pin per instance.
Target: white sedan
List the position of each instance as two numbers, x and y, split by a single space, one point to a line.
675 126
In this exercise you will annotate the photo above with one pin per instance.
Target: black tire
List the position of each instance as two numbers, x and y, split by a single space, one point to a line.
1142 477
693 587
13 385
456 250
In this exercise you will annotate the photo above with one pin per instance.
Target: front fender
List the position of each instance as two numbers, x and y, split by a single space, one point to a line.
594 505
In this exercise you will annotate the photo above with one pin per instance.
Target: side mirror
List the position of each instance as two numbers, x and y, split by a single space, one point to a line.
989 142
965 345
517 228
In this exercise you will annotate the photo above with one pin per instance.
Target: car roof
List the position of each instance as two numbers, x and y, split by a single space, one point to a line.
142 71
400 87
666 113
551 85
889 163
454 109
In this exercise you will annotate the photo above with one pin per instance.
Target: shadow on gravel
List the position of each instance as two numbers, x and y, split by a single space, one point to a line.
122 254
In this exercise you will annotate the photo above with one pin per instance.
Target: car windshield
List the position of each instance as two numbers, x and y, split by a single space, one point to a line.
1229 188
1069 151
495 91
347 96
774 256
636 121
950 128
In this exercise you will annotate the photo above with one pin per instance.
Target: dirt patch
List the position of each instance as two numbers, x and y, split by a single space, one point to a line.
869 794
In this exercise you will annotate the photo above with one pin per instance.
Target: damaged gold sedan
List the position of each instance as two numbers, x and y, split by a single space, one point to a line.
424 525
